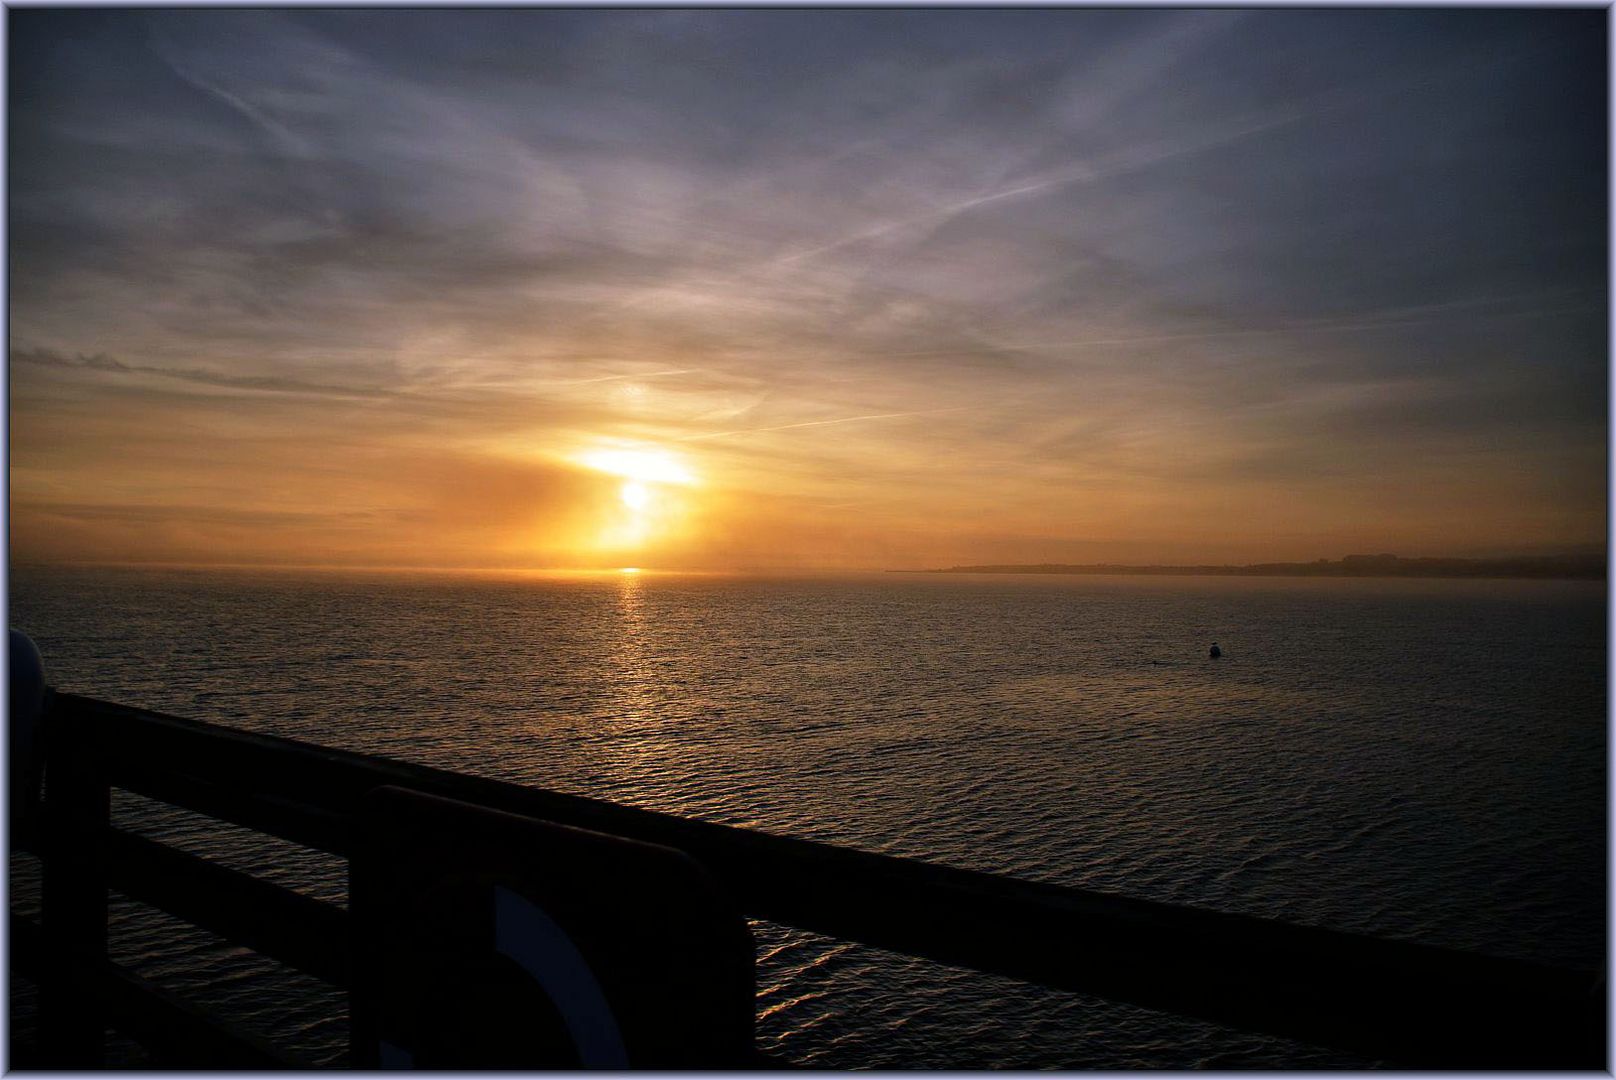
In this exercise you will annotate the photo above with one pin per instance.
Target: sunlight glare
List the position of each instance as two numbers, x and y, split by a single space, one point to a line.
646 466
636 496
654 503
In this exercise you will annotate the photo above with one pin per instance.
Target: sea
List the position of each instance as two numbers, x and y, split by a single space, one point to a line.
1422 760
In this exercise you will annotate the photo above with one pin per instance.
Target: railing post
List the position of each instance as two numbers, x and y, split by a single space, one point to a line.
28 697
74 896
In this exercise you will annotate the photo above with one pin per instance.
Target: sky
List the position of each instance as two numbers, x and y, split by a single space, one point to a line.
753 289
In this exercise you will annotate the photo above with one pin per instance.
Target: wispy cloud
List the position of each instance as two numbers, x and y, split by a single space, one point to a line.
1460 311
257 383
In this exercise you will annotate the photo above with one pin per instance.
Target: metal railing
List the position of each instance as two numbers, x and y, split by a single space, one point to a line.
1403 1003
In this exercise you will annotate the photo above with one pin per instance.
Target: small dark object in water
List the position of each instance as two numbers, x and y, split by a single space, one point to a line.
1216 652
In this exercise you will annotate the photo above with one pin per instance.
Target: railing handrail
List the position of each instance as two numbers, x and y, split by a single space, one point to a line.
1405 1002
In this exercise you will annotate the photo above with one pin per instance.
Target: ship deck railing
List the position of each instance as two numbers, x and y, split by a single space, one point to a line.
1404 1004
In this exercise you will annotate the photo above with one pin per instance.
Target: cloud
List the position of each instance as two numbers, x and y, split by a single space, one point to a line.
817 423
1095 255
264 383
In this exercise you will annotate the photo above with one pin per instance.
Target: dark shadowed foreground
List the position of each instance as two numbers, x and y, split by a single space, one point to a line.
666 962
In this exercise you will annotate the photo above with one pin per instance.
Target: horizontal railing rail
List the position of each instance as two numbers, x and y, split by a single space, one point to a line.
1401 1002
174 1030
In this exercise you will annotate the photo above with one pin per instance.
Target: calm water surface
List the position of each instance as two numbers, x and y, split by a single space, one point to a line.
1412 759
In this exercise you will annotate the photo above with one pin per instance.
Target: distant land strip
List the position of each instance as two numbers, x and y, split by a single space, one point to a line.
1543 566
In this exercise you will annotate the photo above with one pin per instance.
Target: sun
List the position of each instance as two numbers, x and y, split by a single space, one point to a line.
635 495
654 500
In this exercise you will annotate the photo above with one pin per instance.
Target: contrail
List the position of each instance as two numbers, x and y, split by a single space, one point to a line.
1138 157
278 132
633 375
1074 174
819 423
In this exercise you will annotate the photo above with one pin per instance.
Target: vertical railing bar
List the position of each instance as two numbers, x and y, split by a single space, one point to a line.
77 811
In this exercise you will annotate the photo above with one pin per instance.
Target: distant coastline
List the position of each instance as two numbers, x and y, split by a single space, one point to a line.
1587 567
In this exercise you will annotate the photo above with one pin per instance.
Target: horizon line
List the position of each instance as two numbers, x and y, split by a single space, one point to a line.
1572 551
642 568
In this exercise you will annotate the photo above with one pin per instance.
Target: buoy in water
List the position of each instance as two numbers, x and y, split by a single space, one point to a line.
1216 652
